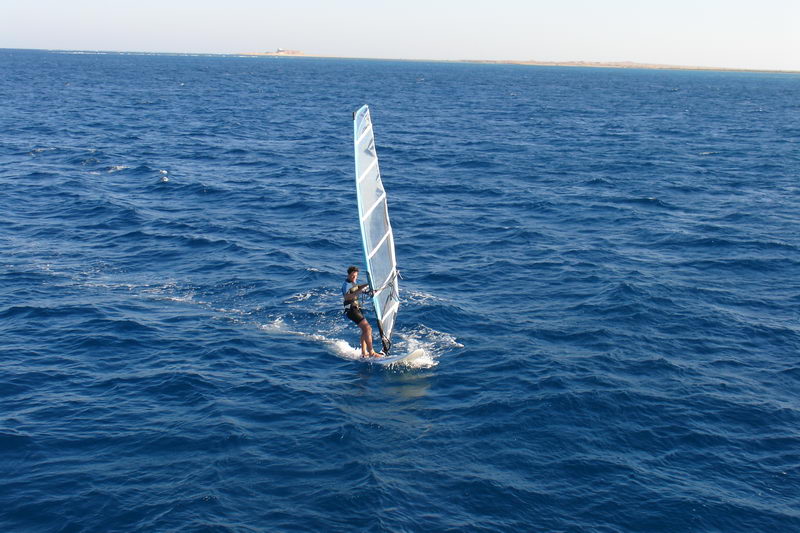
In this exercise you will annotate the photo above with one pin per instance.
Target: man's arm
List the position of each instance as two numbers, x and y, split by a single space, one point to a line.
354 292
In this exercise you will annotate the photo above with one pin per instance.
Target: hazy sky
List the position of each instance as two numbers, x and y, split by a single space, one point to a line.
722 33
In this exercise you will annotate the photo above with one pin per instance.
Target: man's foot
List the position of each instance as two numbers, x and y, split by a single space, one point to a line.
376 354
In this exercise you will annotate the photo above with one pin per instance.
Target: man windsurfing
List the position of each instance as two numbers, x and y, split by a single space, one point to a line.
350 291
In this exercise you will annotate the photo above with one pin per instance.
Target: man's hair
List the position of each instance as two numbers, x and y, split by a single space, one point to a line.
352 269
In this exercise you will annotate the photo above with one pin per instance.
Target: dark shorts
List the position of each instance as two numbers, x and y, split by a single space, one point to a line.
354 314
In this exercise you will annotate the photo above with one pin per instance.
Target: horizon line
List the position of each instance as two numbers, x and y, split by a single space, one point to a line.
624 64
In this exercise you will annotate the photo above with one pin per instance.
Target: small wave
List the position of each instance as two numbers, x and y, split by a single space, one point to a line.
11 440
41 150
299 297
421 298
648 201
186 298
470 164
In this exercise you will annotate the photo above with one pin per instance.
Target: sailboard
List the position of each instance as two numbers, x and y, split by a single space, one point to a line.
376 230
392 359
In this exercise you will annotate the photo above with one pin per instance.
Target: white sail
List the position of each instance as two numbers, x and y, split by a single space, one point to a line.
376 232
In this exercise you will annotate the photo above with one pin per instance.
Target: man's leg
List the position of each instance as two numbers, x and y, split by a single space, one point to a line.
366 338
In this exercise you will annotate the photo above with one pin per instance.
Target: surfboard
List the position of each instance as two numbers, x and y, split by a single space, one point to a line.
388 360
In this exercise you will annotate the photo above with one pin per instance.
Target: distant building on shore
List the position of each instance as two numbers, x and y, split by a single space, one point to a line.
285 52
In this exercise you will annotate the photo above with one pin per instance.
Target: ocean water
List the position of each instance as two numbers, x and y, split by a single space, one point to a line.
602 266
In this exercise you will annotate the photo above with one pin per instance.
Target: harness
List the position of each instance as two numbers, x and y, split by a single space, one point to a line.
353 304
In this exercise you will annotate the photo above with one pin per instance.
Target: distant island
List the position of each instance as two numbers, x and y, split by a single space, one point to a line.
532 62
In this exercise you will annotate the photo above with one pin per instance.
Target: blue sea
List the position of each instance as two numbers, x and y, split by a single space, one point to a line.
601 265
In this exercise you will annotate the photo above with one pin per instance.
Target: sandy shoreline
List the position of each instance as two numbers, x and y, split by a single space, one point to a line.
632 65
589 64
535 63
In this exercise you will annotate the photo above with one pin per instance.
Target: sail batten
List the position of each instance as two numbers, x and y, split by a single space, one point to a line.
378 246
367 170
367 131
373 207
376 231
392 309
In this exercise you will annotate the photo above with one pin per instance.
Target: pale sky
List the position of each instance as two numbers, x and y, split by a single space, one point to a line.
761 34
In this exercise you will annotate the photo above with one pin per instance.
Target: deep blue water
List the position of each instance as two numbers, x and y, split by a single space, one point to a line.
603 267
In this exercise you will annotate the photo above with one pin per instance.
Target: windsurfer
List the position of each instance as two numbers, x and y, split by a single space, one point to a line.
350 290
